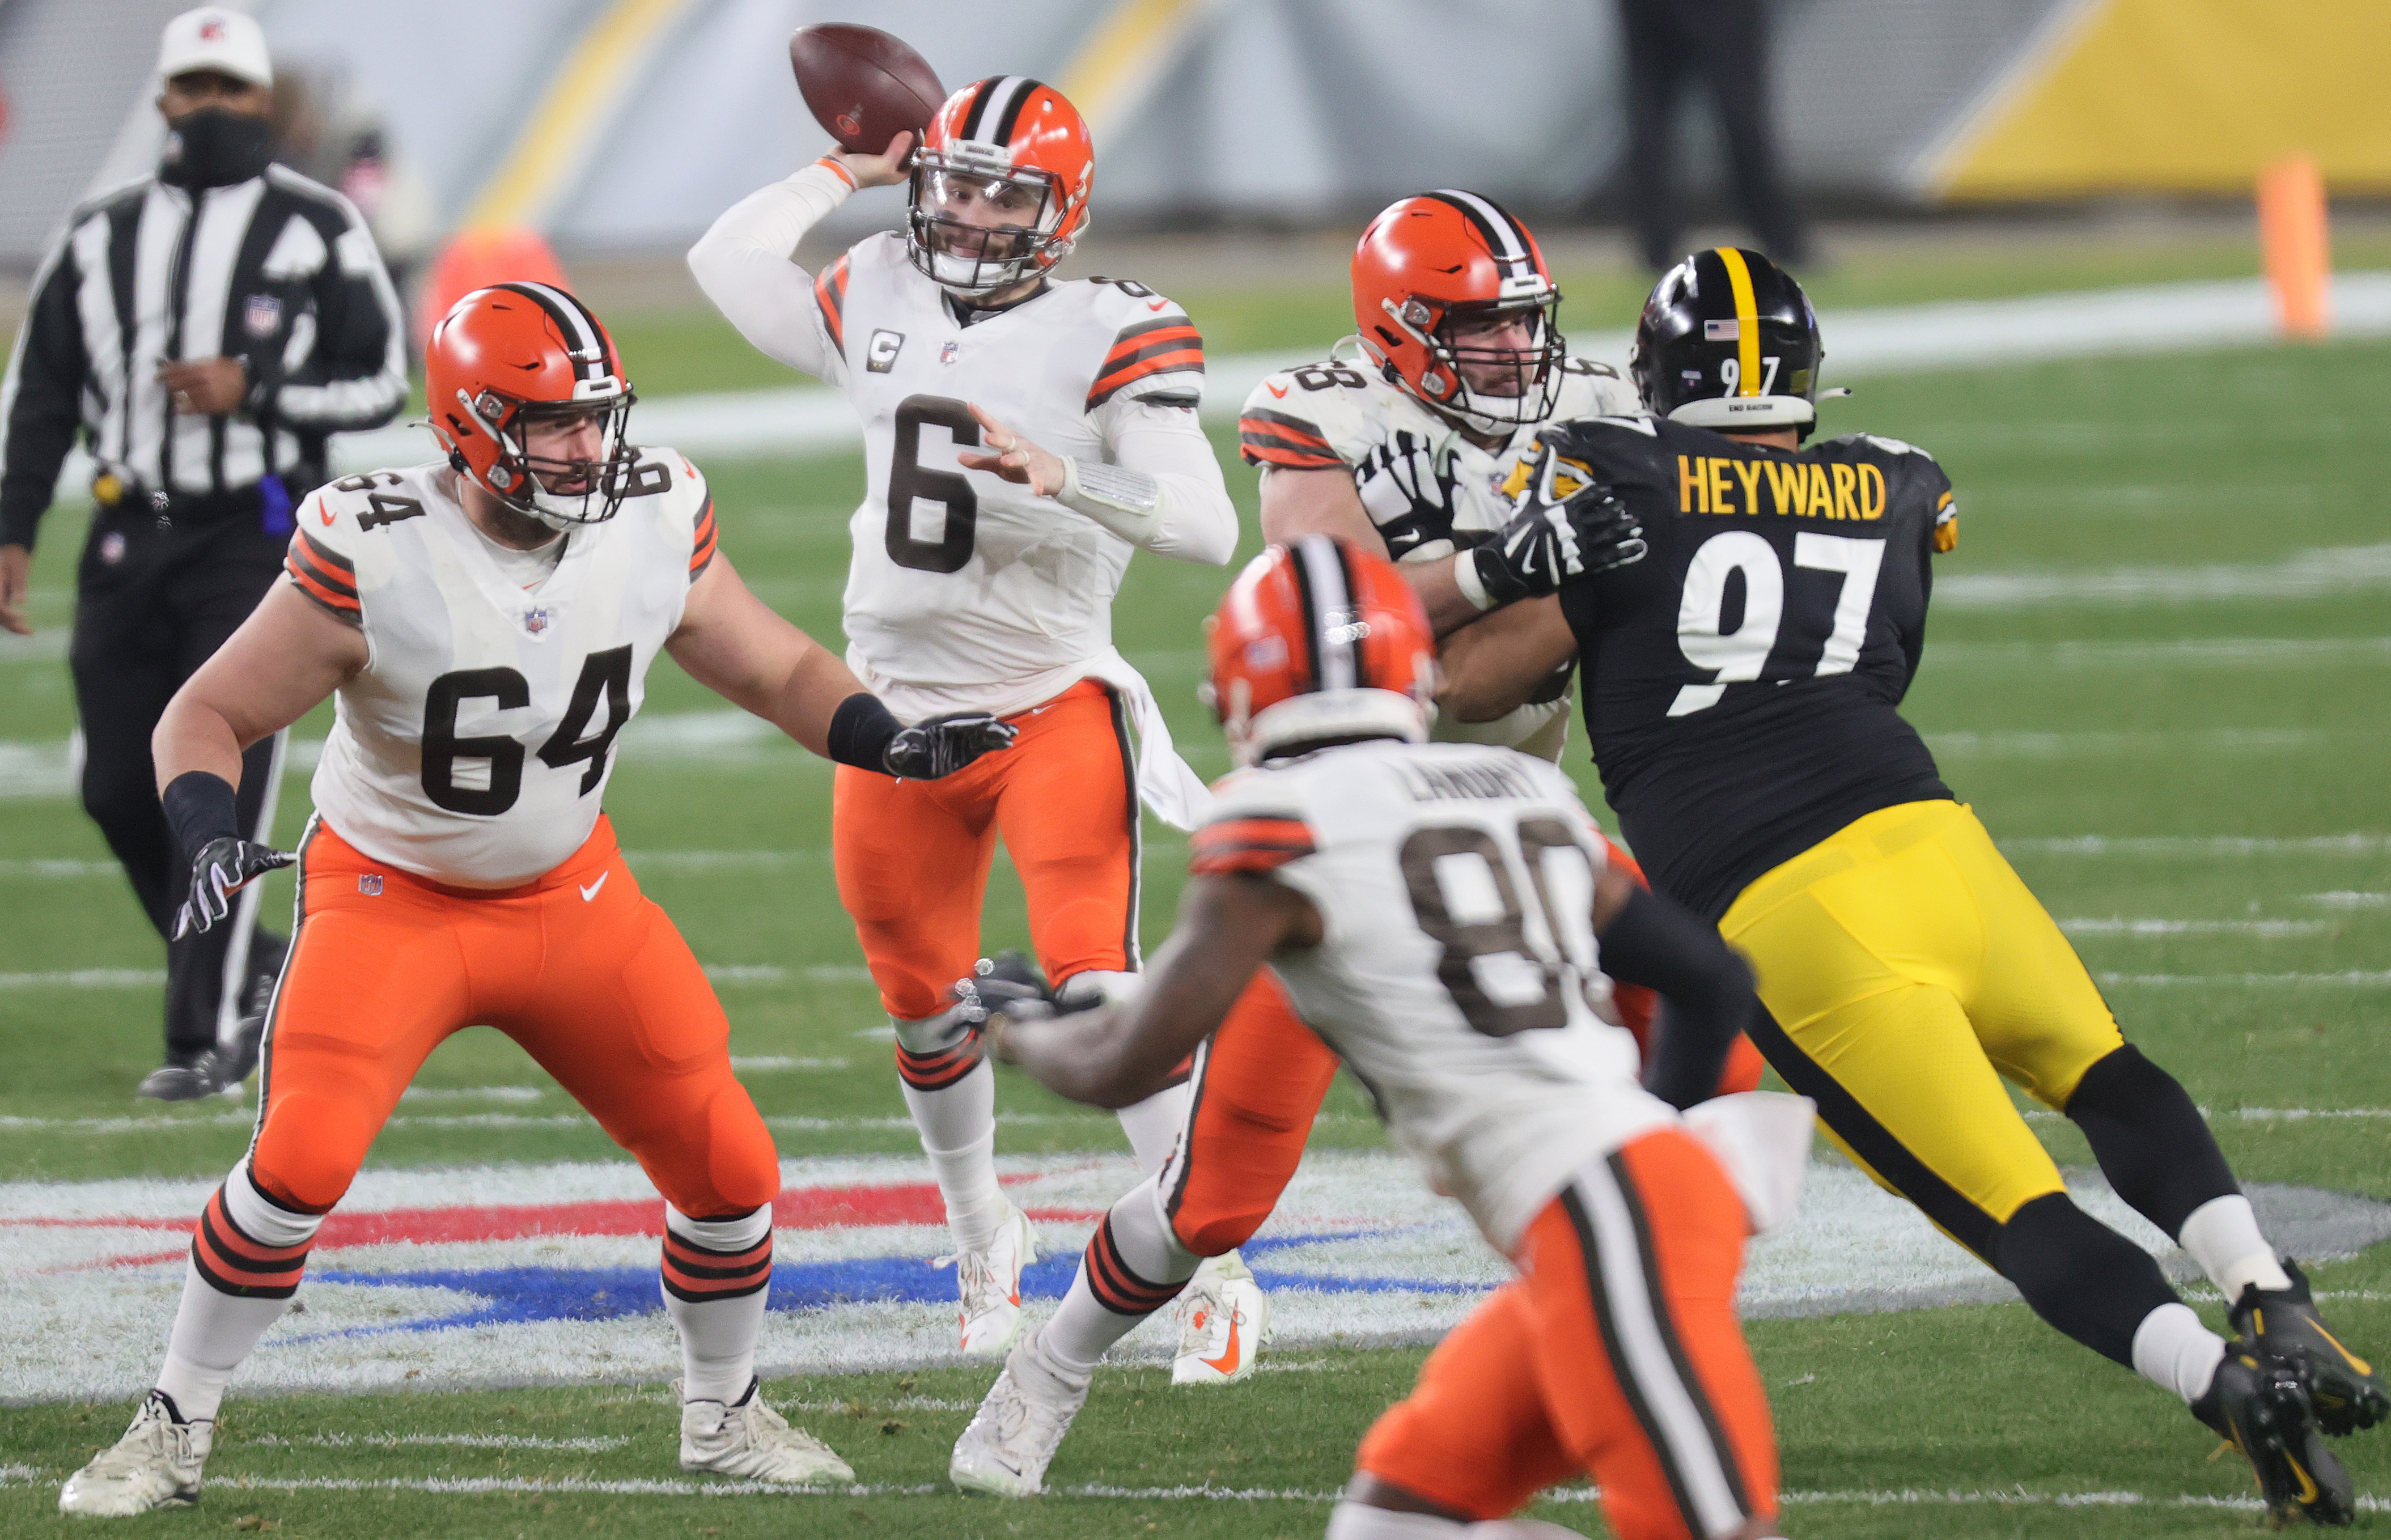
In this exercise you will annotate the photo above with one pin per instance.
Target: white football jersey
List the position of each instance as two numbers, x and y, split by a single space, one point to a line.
1458 973
474 746
1422 479
965 591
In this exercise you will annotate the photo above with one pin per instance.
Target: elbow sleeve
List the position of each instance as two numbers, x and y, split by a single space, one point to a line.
1706 991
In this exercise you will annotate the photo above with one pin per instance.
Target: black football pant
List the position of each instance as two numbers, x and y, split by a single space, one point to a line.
152 604
1722 45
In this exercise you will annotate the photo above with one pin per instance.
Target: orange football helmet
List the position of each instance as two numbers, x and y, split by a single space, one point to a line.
1434 263
1011 147
1319 643
502 359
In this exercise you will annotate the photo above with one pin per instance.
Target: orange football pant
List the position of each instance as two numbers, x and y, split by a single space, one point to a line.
912 856
1615 1352
1260 1082
577 966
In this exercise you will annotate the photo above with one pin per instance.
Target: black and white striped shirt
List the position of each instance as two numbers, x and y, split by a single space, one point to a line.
276 271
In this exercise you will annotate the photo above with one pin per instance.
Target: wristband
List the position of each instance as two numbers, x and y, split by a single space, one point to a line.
201 806
1465 578
837 169
861 732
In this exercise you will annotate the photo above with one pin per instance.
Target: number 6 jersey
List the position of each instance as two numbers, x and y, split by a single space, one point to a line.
1457 970
1741 680
474 746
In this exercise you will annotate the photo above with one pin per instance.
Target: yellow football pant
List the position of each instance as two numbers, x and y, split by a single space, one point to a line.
1908 970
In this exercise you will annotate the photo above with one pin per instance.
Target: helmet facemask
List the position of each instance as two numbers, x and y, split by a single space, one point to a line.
560 493
1490 390
969 258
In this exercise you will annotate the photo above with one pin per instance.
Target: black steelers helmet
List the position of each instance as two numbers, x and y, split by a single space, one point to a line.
1729 341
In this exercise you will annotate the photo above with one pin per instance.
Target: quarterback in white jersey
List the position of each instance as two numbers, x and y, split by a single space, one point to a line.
1441 915
1025 437
488 624
1408 438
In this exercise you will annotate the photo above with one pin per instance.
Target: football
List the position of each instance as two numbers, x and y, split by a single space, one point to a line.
863 86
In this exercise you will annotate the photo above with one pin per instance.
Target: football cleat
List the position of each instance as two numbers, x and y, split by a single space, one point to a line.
1224 1325
181 1082
2344 1388
1011 1440
748 1438
2258 1406
989 1283
156 1464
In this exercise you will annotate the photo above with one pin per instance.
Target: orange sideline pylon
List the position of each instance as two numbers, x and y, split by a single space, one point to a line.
2292 245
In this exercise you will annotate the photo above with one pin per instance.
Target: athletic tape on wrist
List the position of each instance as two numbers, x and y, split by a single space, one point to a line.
1465 578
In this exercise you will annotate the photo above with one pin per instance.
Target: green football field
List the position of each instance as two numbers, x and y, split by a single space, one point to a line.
2157 667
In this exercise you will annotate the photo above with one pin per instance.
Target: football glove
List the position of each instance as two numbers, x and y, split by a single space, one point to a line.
223 868
944 745
1406 495
1555 534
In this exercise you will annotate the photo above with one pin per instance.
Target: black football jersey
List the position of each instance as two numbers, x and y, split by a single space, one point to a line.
1741 680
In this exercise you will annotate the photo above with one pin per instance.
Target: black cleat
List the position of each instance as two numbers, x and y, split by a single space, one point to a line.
2258 1406
2344 1388
180 1082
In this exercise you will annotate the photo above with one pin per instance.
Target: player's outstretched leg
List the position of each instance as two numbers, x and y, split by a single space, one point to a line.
2159 1155
717 1275
956 1110
247 1255
1133 1267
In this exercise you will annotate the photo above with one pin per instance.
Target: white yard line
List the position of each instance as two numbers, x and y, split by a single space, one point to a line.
2265 930
2352 980
2303 575
2181 653
522 1120
86 978
2200 845
2345 900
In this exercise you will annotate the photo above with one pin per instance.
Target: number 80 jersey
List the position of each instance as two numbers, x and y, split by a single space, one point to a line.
474 746
1741 682
1458 974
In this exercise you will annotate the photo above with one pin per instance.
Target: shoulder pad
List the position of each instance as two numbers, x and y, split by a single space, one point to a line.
354 507
1591 389
1877 441
1315 417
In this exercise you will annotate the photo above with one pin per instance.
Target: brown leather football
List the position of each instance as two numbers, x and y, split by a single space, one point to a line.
863 86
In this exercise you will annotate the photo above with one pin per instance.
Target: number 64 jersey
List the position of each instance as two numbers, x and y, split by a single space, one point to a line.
1741 682
1458 974
474 746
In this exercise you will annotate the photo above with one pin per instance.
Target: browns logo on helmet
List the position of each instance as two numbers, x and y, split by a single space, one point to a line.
502 359
1456 305
1729 341
1319 643
1000 184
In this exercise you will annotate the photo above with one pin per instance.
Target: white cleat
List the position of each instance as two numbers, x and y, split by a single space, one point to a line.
750 1439
1224 1325
1011 1439
156 1464
989 1283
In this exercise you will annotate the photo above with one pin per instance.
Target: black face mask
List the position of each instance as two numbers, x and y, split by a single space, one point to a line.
212 148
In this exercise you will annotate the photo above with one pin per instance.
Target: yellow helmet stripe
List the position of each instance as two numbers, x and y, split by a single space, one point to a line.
1747 322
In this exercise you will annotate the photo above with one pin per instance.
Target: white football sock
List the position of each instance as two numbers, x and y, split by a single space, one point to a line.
2222 1235
1153 1125
2174 1352
717 1337
214 1330
1084 1326
1353 1521
958 1126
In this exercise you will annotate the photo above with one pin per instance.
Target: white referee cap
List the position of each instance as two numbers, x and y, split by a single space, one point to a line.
215 37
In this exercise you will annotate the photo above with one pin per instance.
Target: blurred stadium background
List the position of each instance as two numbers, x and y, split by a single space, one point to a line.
2157 667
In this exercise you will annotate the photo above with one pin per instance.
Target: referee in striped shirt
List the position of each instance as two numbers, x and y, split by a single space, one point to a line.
203 329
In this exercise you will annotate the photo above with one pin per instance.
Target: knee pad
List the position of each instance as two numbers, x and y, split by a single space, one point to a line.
929 1036
742 1166
309 1151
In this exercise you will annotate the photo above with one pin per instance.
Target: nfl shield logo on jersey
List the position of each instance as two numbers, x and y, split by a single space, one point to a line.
536 621
262 315
949 350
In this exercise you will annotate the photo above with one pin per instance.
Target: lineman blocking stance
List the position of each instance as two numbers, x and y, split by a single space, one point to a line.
1433 911
1754 750
488 624
1024 438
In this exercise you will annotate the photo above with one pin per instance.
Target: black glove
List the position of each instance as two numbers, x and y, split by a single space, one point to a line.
944 745
1557 533
1007 984
223 868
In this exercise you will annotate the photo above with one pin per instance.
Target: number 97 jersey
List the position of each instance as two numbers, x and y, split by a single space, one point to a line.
1741 682
1457 973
